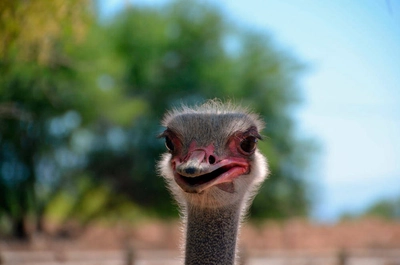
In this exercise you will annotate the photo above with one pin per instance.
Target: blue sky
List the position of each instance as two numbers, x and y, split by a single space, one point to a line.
351 93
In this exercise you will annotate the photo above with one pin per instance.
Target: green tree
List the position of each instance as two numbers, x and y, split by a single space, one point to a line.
387 208
186 52
81 102
39 86
49 100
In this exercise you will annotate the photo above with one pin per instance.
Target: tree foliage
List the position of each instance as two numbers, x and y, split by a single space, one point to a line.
182 54
386 208
47 96
83 100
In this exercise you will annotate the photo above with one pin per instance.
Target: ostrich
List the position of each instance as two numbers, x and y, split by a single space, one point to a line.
213 169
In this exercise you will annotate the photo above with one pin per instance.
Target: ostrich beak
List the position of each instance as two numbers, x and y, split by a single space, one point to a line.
201 169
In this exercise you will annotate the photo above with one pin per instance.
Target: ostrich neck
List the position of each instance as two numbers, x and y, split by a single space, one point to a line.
211 235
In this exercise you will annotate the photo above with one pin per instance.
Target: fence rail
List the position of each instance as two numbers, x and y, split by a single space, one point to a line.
120 257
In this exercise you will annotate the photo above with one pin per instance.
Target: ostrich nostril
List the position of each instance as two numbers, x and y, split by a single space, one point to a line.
211 159
190 170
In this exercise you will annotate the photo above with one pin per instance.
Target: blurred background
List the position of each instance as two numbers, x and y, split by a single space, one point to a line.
84 84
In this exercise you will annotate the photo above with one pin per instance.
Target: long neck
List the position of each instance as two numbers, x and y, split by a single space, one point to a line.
211 235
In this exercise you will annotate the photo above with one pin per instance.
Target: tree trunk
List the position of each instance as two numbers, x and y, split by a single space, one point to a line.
20 230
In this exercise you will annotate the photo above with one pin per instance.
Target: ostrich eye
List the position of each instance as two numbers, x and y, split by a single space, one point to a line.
168 143
248 145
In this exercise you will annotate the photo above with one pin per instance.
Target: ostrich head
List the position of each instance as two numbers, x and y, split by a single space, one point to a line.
212 159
